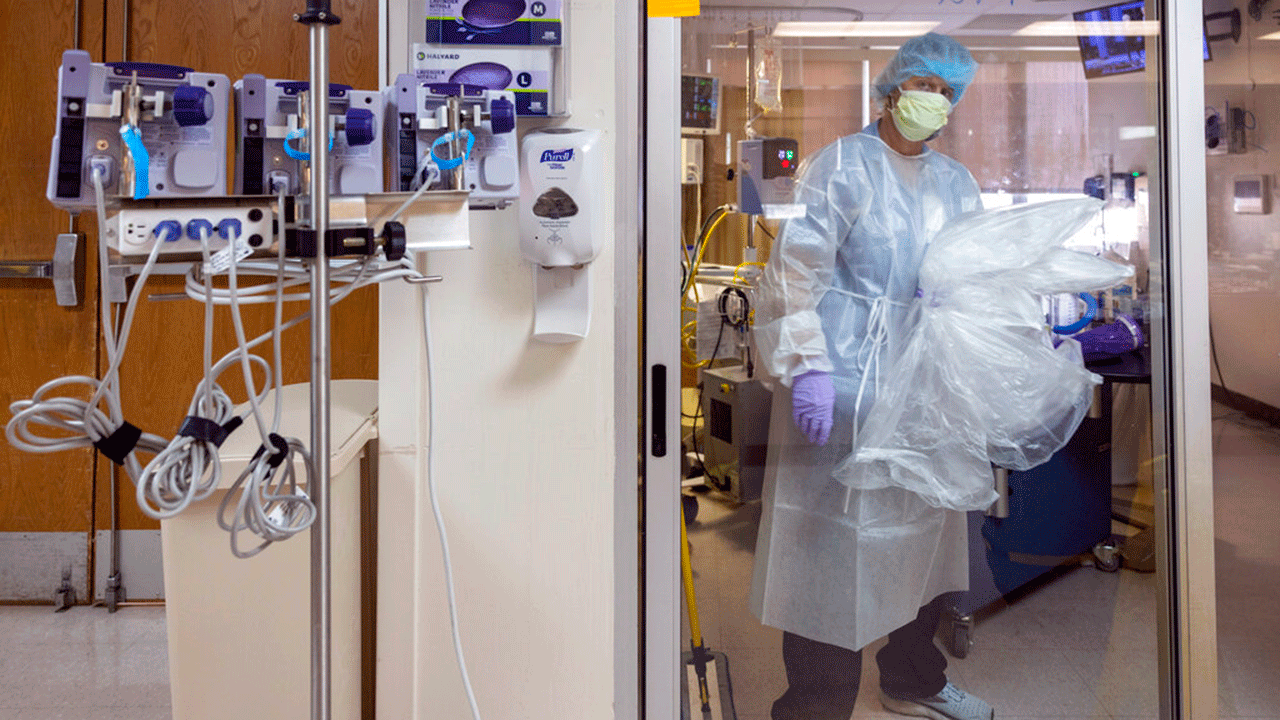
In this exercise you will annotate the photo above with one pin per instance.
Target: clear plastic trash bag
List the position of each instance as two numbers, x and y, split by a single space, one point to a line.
979 380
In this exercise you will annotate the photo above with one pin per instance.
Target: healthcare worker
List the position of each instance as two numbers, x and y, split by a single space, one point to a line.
837 569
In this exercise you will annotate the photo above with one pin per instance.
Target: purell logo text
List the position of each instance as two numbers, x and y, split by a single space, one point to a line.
559 156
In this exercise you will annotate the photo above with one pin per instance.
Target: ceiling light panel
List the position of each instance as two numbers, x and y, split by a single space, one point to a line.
1006 22
853 29
1092 28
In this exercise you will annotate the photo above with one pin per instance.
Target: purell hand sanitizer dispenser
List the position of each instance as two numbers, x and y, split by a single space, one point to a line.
560 230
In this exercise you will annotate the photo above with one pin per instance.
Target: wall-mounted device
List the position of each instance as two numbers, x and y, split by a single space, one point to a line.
766 177
1228 132
423 113
699 105
1238 125
560 229
1251 194
271 126
1226 26
529 72
149 130
1123 186
690 161
494 22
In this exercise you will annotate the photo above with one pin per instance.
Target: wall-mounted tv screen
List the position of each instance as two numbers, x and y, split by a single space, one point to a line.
1105 55
699 105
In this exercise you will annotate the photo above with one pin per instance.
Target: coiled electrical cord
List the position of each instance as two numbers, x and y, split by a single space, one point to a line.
189 468
88 422
268 501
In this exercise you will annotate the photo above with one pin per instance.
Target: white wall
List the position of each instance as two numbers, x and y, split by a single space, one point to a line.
526 460
1244 250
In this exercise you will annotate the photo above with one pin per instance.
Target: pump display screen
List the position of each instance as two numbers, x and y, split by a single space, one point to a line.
699 104
781 156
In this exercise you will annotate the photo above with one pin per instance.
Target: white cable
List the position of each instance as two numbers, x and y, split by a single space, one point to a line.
86 421
246 368
189 468
269 502
435 508
423 165
347 277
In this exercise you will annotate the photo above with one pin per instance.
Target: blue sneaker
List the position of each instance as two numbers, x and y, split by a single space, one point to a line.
950 704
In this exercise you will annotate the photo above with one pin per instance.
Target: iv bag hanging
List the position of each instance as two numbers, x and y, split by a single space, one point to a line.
768 76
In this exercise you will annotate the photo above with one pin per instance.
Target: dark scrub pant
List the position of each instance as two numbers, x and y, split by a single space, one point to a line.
823 679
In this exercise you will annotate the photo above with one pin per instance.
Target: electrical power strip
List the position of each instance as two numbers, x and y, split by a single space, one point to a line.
135 231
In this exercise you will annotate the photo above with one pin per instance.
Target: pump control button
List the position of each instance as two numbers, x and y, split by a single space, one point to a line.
360 127
192 105
502 116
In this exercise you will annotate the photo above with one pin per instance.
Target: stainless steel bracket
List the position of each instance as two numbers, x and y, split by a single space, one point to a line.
66 270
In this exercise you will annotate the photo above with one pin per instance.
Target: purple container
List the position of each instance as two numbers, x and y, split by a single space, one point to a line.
1112 339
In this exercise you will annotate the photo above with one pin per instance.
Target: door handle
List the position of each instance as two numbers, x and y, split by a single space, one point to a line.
66 270
658 416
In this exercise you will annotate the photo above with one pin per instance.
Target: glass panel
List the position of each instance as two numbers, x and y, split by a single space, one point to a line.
807 299
1241 88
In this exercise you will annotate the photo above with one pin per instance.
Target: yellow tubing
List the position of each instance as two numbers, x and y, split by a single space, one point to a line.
695 632
686 569
702 250
745 264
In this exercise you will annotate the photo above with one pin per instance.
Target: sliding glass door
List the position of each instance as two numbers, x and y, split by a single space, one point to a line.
934 406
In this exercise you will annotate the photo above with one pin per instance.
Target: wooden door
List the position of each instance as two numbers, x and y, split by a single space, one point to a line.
46 507
163 359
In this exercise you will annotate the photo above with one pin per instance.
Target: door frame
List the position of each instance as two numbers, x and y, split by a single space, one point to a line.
660 520
1182 412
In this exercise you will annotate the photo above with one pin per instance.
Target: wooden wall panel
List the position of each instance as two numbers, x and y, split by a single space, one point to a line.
39 492
164 362
236 38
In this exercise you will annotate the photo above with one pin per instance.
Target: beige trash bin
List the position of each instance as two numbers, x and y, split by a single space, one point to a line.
239 630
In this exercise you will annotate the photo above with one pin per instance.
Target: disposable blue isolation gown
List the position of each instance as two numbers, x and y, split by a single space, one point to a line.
843 566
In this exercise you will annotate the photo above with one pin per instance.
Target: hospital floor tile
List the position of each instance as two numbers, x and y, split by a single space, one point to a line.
1081 646
84 662
1039 683
95 713
1125 682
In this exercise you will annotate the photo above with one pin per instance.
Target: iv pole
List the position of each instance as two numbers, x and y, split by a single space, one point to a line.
319 16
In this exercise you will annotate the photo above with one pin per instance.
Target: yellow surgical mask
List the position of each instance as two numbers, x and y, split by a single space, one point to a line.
918 114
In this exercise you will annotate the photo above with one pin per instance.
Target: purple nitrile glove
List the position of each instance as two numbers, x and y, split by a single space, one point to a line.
813 400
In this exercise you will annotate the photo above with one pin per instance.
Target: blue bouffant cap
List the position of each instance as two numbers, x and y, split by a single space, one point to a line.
929 54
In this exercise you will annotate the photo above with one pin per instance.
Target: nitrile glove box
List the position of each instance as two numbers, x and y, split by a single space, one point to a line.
495 22
525 71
